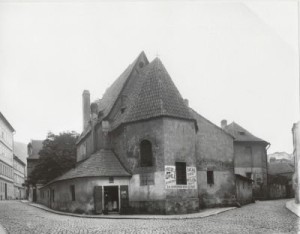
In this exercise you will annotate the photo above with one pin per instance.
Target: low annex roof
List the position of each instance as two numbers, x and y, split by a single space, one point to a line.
241 134
103 163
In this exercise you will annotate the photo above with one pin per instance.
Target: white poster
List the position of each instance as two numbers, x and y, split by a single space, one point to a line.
170 178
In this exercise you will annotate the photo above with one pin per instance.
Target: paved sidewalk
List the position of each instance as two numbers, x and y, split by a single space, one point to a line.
2 229
293 207
201 214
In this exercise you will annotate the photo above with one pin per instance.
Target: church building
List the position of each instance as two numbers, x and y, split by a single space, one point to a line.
144 150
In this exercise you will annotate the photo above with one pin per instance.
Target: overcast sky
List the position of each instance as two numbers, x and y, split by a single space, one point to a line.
233 60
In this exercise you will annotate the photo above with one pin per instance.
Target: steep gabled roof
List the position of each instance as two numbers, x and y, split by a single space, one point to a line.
113 92
241 134
155 95
103 163
151 94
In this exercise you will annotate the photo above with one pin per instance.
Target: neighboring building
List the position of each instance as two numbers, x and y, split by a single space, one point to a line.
215 164
143 150
281 156
296 153
20 154
19 178
250 157
280 179
6 159
33 149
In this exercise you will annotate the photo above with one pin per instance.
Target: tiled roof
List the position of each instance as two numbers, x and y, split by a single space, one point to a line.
155 95
37 145
280 168
102 163
113 92
199 118
241 134
149 93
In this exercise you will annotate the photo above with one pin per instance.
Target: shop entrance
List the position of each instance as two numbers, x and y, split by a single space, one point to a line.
111 199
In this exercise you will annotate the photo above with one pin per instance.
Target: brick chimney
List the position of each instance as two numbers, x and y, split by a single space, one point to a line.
223 123
86 109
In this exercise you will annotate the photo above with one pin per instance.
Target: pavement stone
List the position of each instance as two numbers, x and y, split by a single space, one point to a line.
260 217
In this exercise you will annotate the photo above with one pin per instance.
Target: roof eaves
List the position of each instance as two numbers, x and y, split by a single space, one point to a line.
6 121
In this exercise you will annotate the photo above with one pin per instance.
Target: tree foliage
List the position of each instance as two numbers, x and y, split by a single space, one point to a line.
57 156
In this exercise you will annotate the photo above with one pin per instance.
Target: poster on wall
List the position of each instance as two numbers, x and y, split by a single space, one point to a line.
191 177
170 178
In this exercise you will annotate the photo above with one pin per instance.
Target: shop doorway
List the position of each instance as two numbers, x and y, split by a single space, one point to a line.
111 199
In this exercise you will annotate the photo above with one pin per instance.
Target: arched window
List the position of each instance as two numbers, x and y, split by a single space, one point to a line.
146 153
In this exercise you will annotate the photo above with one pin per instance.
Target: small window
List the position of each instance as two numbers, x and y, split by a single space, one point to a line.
146 153
180 172
248 175
73 192
210 177
111 180
242 133
141 64
147 179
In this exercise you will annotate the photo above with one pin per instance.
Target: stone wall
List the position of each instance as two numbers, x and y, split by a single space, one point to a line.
165 134
126 144
214 152
244 191
179 146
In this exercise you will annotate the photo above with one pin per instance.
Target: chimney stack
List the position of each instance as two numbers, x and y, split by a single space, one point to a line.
223 123
186 102
86 108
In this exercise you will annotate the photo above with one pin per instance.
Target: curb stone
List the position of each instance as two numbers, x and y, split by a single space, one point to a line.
202 214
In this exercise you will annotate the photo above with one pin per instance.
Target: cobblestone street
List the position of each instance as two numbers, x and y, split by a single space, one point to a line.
261 217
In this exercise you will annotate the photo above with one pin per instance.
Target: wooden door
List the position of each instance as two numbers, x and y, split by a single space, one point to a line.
124 199
98 199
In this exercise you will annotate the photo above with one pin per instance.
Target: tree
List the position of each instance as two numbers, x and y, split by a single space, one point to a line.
57 156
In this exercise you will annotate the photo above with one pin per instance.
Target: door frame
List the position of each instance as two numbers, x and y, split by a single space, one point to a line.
103 196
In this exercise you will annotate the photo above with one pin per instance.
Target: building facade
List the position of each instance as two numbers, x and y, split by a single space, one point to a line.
20 171
19 178
250 158
144 150
6 159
